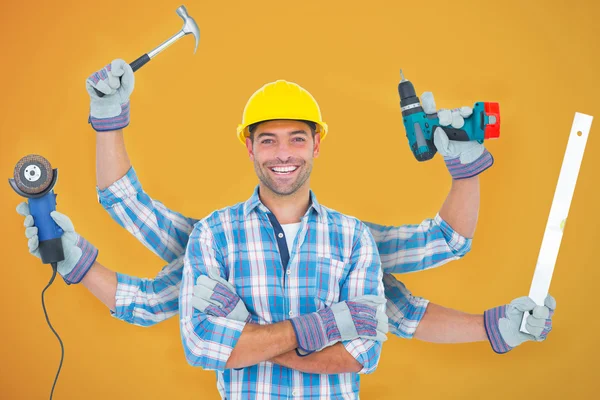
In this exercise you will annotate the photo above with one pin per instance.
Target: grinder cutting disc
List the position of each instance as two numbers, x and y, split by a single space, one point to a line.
33 174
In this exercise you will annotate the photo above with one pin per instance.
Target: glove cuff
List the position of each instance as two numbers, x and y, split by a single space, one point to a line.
490 320
547 326
314 331
88 256
113 123
364 319
463 171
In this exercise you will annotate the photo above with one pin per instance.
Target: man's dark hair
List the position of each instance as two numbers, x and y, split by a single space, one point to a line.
252 128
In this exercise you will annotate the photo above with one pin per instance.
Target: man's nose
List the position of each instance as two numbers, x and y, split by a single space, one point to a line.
284 151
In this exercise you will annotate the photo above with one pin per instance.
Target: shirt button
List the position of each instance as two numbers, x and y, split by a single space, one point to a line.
280 235
291 313
294 393
288 272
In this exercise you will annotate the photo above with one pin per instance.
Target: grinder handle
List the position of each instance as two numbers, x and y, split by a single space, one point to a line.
135 65
49 233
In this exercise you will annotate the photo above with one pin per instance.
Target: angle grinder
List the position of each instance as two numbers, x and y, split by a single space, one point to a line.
34 179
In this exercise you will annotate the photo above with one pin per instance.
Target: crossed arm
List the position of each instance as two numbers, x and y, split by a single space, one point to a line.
277 343
220 343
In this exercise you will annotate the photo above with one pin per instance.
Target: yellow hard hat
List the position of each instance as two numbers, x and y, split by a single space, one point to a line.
280 100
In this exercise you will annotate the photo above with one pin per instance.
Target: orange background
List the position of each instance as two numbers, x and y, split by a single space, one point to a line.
539 59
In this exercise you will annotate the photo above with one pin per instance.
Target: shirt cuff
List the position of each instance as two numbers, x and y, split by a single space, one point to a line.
208 341
459 244
125 187
366 352
404 310
127 289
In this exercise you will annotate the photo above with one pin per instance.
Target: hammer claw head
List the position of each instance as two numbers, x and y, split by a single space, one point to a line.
197 39
189 25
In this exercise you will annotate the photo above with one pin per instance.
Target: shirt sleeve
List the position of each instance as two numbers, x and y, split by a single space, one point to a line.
163 231
410 248
207 340
365 278
404 310
145 302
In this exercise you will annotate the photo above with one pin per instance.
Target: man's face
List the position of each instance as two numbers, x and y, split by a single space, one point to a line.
283 153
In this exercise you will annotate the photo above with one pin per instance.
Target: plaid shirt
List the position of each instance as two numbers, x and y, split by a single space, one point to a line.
140 301
334 258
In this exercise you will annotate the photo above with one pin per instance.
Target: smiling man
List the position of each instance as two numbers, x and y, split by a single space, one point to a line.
309 276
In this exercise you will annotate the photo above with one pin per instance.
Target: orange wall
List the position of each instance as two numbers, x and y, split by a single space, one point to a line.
539 59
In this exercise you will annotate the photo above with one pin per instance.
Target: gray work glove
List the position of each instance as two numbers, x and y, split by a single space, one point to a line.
80 255
215 296
116 81
346 320
502 324
463 159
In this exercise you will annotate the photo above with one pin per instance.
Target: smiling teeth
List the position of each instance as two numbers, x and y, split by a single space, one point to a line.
284 169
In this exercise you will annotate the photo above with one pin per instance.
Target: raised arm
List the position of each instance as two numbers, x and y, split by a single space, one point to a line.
433 242
449 235
163 231
109 89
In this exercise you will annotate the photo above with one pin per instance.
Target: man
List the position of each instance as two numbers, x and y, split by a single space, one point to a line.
403 249
292 262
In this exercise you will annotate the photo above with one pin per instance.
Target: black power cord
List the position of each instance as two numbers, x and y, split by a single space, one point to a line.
62 348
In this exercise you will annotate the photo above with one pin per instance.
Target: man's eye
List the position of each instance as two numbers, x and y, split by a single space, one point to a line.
267 141
299 139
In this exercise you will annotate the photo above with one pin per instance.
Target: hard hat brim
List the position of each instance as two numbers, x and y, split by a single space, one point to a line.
243 132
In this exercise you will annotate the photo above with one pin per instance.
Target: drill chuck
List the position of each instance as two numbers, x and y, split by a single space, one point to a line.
409 102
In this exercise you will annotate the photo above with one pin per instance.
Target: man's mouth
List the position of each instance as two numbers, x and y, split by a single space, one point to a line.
286 170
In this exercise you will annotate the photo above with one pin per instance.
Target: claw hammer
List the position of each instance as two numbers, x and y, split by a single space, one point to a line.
189 27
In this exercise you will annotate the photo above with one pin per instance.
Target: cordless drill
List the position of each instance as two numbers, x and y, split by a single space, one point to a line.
484 123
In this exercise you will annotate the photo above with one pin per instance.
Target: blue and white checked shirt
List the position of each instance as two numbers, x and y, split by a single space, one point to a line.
145 302
333 258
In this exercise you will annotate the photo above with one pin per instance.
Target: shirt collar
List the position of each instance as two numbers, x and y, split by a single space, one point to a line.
254 202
